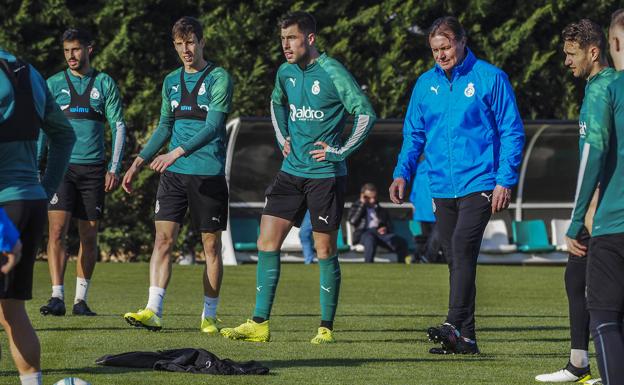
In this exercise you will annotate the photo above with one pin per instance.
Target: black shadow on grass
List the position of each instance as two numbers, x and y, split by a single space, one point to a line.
414 314
367 315
504 340
332 362
398 330
121 328
380 330
534 355
388 340
522 328
69 328
389 315
519 316
83 370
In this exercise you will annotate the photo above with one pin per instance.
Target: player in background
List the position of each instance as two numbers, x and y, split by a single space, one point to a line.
196 99
312 98
585 48
88 98
26 107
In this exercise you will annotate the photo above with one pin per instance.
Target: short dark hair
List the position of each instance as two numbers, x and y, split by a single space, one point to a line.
368 187
83 36
617 18
585 32
449 27
187 25
304 20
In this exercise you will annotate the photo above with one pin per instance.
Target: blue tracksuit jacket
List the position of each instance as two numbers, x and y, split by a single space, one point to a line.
469 128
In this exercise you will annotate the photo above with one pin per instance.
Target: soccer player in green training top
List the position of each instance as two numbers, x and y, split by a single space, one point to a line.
195 101
585 48
26 107
313 96
88 98
605 267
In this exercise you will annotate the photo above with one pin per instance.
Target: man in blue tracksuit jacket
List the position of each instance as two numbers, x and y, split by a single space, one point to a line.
463 117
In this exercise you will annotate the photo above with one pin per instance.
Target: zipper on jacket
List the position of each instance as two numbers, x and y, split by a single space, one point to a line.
448 137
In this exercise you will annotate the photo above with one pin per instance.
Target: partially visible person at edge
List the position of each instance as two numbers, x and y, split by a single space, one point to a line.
585 48
26 106
463 116
603 162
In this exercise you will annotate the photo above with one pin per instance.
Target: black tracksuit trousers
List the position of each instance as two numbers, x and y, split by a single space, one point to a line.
575 281
461 222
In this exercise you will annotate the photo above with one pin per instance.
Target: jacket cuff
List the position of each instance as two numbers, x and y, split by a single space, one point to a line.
574 229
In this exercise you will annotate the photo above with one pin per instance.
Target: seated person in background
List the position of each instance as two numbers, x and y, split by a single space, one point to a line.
372 226
428 248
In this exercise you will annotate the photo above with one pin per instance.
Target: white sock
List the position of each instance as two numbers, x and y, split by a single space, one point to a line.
31 379
210 307
579 358
82 287
156 298
58 291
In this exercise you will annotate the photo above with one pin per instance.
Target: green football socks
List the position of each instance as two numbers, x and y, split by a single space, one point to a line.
330 287
267 277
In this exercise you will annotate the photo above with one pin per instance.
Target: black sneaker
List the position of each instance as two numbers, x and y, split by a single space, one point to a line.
438 350
81 308
463 347
466 346
446 335
55 306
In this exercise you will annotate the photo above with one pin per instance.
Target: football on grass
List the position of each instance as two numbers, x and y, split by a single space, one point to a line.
71 381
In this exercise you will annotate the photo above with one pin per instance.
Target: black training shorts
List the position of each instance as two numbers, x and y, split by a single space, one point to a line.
81 192
605 273
289 197
29 217
205 196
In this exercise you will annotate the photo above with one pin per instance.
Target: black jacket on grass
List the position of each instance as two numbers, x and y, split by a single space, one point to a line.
188 360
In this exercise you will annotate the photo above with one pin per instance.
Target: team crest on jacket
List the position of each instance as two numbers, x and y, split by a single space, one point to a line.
202 89
95 94
470 90
316 87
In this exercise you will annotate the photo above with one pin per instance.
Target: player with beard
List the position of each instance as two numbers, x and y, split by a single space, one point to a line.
605 265
88 98
312 98
585 48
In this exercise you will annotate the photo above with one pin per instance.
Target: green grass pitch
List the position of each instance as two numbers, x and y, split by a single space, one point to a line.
383 313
